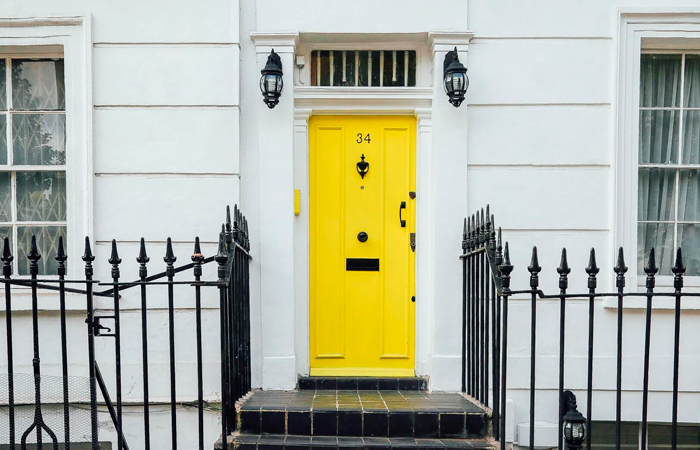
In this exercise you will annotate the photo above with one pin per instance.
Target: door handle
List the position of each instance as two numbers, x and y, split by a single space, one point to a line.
402 206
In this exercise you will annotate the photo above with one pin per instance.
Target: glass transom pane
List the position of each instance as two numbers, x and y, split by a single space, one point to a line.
363 68
660 81
38 85
41 196
39 139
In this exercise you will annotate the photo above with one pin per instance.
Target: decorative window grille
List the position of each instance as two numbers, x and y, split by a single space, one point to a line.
32 158
364 68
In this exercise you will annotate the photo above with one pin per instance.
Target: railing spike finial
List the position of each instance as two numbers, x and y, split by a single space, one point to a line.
61 256
228 217
650 269
563 268
221 253
197 249
87 254
465 243
620 267
7 252
492 232
488 214
505 269
114 257
33 255
169 257
143 256
592 269
534 268
678 268
499 242
247 236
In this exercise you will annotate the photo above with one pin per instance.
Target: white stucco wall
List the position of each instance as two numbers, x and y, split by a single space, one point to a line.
175 95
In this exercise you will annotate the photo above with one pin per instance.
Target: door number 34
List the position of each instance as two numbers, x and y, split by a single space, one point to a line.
366 138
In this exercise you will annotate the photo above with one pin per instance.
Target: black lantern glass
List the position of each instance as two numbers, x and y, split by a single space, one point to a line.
456 81
271 80
574 423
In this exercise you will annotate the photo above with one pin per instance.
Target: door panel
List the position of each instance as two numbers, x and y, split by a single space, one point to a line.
361 321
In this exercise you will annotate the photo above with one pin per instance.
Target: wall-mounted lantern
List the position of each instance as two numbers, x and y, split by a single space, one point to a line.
271 80
574 422
456 81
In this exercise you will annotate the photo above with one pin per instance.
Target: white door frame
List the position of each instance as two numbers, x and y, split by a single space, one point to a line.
337 101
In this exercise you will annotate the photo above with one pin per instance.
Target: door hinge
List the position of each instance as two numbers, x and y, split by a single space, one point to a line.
413 242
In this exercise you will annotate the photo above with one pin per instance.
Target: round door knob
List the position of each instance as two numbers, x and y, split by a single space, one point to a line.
362 236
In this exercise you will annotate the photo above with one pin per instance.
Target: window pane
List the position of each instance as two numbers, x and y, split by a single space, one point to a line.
5 197
325 68
41 196
691 137
3 85
658 137
604 437
39 139
38 85
660 81
337 60
660 237
656 194
47 244
363 78
689 195
689 241
691 96
3 139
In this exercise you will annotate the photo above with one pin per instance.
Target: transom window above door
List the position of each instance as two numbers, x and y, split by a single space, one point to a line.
33 158
669 160
363 68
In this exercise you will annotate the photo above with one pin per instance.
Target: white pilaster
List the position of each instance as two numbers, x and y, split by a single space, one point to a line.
449 201
276 202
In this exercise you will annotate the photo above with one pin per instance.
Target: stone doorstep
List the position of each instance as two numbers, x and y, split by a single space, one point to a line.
274 442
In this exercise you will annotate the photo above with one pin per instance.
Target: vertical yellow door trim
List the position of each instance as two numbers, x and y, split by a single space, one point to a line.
362 322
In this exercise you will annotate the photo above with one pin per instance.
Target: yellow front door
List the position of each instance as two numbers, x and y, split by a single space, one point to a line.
362 216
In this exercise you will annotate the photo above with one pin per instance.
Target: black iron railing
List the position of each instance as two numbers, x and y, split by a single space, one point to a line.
486 293
232 283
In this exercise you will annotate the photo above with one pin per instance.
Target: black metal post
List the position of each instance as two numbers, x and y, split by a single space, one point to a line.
88 258
497 340
474 301
143 259
505 270
114 260
485 296
61 258
221 260
464 307
534 269
7 272
651 271
620 270
170 259
678 271
592 270
563 270
197 258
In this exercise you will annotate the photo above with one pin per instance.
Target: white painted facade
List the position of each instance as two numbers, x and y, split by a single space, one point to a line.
167 126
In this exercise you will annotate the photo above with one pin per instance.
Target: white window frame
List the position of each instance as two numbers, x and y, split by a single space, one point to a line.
71 38
642 29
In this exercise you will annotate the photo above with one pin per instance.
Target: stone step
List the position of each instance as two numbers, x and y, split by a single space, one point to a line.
393 414
266 442
363 383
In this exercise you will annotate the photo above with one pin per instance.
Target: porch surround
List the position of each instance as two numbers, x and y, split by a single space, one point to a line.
284 238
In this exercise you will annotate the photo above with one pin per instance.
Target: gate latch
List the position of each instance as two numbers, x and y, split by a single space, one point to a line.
413 242
97 327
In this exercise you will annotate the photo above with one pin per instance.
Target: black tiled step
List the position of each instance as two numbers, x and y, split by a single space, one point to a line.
363 383
275 442
392 414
